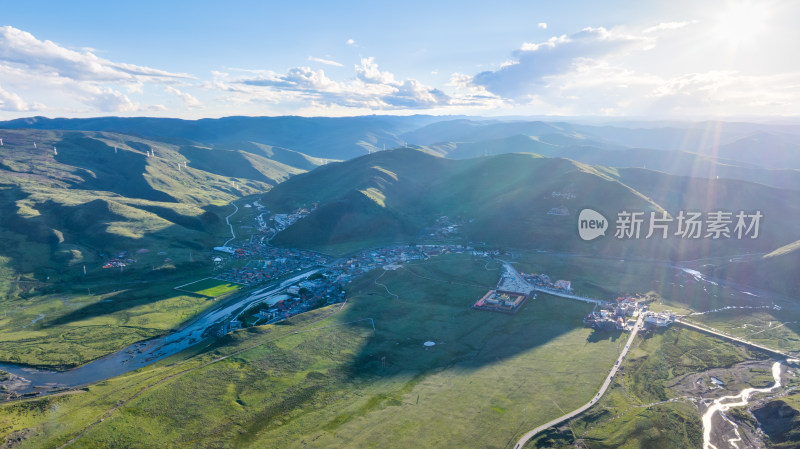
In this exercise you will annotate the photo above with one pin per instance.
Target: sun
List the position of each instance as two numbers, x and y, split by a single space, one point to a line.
740 23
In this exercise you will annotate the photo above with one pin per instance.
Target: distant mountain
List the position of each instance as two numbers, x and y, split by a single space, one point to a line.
473 131
771 150
672 162
327 137
744 142
394 196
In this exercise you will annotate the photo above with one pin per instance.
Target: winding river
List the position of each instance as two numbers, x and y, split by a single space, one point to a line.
142 353
725 403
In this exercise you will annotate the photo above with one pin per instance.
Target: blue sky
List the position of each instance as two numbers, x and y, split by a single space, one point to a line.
677 59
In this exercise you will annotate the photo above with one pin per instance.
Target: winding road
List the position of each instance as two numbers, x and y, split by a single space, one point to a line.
227 220
525 438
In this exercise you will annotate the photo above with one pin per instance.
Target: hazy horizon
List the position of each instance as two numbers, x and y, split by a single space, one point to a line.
686 61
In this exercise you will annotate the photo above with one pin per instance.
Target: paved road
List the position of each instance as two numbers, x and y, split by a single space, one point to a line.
600 393
227 220
704 329
569 295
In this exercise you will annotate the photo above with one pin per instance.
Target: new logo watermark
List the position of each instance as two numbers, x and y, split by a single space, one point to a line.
687 225
591 224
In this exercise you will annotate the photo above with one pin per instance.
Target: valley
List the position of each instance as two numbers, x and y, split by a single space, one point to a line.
329 303
362 225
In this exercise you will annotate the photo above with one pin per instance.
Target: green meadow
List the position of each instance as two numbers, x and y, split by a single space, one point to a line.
328 379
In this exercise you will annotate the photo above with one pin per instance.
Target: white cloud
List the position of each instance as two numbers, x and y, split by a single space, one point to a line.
46 57
350 42
326 61
372 88
368 72
190 101
533 62
668 26
10 101
550 43
105 99
72 79
542 25
595 87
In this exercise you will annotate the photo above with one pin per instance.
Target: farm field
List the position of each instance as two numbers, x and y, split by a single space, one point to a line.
210 287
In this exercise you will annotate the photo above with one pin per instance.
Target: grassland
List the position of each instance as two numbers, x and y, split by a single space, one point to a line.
339 383
66 328
210 287
779 329
325 379
640 409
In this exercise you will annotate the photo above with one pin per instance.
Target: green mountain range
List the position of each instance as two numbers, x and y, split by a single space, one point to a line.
69 196
515 200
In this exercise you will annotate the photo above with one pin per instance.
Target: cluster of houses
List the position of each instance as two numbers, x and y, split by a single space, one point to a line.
283 221
543 281
328 287
560 211
610 316
659 319
563 195
270 263
308 295
345 270
121 260
444 228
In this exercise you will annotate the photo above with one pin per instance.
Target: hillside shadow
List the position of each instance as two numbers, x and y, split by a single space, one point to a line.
126 299
57 243
441 312
104 169
600 335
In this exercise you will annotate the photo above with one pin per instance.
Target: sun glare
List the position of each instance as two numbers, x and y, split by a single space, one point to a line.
740 23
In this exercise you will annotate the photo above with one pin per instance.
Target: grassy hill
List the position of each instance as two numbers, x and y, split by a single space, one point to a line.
776 270
69 196
505 199
283 155
77 199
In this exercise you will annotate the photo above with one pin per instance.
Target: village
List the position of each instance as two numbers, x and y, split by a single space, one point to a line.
254 262
514 289
264 263
326 286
